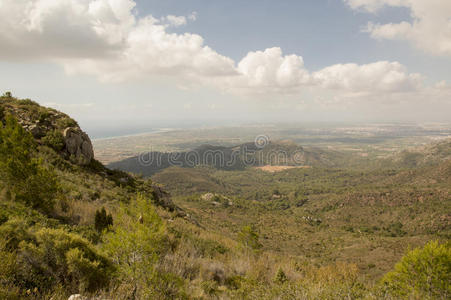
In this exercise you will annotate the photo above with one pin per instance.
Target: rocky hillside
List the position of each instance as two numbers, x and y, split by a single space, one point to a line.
50 127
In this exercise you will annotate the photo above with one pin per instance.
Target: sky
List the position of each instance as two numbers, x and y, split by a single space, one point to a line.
123 66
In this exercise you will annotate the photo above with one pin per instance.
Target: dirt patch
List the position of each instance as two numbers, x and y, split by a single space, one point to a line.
273 169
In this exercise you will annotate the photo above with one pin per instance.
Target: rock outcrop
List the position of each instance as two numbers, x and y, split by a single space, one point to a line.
78 145
49 125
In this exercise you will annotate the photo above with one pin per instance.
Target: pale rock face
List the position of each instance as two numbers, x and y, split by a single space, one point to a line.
36 131
77 297
78 145
207 196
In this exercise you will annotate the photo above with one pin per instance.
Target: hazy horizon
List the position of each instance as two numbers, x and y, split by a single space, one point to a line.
123 66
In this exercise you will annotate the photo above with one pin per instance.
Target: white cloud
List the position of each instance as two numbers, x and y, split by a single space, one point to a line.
193 16
373 5
150 50
375 78
63 28
430 29
104 38
269 72
176 20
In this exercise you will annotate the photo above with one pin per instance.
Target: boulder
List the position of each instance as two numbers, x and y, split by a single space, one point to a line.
78 145
36 131
207 196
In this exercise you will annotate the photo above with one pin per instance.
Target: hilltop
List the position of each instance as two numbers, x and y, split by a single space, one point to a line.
51 128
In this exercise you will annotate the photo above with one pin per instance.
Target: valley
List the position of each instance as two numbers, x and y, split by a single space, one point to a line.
360 195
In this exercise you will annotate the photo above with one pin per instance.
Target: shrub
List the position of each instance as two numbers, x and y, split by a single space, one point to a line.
28 102
13 232
102 220
135 243
249 238
422 273
58 257
66 122
43 116
280 277
8 95
25 176
54 139
2 112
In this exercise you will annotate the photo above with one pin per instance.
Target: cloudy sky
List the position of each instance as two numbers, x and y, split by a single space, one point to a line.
130 65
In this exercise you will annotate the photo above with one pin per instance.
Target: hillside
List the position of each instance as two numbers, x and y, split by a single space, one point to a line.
69 225
231 158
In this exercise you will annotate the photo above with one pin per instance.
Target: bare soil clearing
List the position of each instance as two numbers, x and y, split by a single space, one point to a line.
273 169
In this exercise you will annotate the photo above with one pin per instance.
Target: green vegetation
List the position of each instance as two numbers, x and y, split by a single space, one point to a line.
249 238
102 220
26 179
423 273
54 139
312 233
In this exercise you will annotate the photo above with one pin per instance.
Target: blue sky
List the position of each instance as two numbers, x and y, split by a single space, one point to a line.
123 65
324 32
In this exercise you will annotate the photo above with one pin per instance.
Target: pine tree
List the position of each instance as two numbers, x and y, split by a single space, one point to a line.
25 177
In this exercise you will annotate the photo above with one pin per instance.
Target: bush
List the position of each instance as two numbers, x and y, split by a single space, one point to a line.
422 273
2 112
54 139
8 95
43 116
249 238
58 257
66 122
25 177
102 220
280 277
135 243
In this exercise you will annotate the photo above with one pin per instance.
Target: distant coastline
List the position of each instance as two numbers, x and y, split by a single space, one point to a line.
159 130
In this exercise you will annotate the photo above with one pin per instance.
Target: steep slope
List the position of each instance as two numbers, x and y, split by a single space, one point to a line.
51 128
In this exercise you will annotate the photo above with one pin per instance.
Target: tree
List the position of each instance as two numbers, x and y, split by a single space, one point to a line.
7 95
23 175
102 220
423 273
135 246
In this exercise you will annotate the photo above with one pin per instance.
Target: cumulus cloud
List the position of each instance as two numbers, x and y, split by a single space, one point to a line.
430 29
268 71
375 78
105 38
64 28
176 20
150 50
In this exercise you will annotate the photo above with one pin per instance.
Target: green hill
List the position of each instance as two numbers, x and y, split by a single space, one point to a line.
231 158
